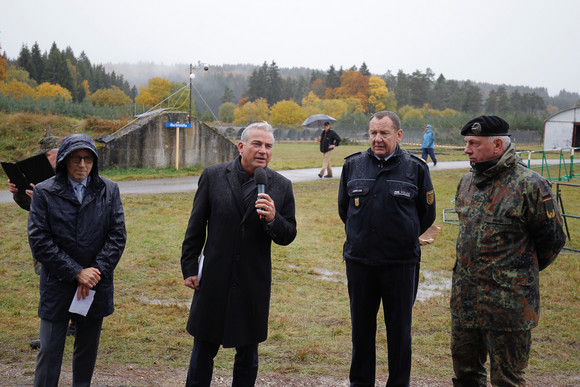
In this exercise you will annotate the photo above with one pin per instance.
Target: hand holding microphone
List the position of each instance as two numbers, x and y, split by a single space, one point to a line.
264 204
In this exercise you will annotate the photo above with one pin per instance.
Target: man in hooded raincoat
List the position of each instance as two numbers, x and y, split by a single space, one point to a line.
76 230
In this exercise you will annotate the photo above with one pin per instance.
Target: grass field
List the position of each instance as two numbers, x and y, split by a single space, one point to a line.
309 321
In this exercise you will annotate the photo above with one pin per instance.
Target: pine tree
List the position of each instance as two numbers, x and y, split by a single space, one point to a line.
274 89
25 60
228 95
503 104
37 63
364 70
332 78
258 83
439 94
491 102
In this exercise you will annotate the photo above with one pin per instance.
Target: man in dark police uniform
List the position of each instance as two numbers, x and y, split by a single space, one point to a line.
386 201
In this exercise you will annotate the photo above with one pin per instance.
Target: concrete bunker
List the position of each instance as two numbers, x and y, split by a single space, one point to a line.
147 142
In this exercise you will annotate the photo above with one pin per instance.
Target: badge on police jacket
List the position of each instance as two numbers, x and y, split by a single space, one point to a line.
430 197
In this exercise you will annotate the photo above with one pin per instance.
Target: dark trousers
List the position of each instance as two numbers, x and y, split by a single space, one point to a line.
201 364
430 152
396 286
508 356
52 341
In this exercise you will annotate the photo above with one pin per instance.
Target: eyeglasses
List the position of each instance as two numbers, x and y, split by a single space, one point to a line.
78 159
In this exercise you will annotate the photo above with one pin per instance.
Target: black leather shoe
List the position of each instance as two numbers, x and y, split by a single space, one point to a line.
35 344
320 176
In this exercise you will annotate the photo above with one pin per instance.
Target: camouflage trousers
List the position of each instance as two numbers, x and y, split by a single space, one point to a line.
508 353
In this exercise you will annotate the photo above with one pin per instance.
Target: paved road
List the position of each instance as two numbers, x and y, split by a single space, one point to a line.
184 184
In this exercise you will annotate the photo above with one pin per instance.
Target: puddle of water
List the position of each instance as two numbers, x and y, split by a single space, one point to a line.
433 285
150 301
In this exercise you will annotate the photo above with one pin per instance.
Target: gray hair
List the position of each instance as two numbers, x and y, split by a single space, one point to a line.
505 140
257 125
392 115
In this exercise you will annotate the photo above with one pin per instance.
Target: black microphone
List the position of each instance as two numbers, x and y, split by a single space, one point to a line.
261 179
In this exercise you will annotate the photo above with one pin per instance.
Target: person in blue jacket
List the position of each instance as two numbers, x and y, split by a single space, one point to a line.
386 202
76 230
428 145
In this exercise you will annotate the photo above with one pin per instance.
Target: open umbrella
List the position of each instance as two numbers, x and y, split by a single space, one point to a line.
318 120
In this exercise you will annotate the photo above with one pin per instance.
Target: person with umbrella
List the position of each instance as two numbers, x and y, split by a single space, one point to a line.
328 140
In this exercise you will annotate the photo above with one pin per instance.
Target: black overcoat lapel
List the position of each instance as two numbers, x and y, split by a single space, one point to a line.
235 187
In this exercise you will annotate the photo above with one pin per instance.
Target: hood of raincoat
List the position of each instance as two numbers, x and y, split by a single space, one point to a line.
72 143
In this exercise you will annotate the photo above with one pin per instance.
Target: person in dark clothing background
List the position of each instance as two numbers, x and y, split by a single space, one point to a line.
386 202
328 140
49 146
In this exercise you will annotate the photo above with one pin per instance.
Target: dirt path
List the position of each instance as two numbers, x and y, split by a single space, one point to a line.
127 375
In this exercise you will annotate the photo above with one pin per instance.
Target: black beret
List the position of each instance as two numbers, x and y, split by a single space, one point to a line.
486 126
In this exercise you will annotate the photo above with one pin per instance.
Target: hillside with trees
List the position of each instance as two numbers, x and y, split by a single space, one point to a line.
60 82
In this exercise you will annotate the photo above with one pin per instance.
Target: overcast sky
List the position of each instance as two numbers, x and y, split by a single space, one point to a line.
516 42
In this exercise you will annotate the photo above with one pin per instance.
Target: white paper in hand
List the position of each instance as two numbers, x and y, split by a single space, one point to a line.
200 268
82 306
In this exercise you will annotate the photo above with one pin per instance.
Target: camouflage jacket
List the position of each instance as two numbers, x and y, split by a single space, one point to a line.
510 229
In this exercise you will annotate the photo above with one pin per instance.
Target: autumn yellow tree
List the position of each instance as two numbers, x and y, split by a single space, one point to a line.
16 89
286 113
379 96
407 112
252 112
19 74
50 91
310 104
110 97
354 105
310 100
3 68
334 107
86 88
157 90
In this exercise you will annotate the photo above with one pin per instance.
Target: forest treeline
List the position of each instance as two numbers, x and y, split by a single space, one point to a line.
59 82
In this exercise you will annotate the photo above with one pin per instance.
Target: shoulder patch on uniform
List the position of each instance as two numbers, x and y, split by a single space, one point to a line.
430 197
549 206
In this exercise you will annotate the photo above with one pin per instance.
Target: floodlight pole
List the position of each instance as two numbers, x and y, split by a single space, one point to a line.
190 87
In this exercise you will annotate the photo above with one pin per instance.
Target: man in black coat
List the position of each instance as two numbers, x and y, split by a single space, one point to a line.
76 230
226 256
328 140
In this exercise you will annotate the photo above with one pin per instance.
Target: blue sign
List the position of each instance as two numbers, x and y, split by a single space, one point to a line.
177 125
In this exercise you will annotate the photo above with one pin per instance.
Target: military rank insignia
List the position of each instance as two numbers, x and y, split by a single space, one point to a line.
549 205
430 197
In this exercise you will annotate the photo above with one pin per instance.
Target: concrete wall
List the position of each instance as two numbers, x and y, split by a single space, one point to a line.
147 143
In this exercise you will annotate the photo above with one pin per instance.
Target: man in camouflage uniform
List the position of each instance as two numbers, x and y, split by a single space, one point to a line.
510 229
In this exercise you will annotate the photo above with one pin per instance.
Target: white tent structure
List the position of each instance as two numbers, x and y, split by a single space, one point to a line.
562 130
